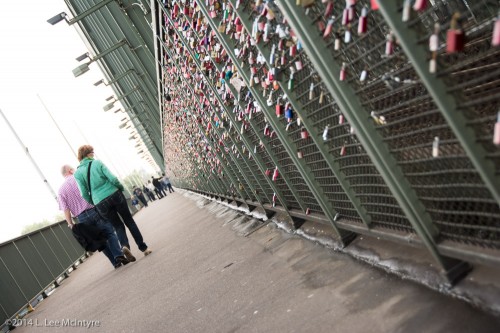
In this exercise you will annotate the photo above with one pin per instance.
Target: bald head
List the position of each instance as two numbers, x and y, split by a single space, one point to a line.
67 170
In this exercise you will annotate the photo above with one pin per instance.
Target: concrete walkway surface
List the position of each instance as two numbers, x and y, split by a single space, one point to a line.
204 276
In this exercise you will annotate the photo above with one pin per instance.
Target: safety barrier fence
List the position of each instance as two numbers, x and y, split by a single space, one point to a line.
377 117
33 263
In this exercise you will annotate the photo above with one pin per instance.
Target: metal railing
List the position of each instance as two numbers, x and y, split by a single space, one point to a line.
31 264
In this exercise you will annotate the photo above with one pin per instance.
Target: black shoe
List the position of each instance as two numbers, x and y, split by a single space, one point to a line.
122 260
118 265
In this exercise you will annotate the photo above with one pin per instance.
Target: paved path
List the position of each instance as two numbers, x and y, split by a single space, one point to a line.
203 276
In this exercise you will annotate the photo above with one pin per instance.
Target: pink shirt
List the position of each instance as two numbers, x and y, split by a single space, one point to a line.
70 198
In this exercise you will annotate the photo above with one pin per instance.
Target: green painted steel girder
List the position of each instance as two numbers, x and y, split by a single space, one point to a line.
373 143
290 147
322 147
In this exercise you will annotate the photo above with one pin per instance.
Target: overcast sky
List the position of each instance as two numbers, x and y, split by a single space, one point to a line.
37 59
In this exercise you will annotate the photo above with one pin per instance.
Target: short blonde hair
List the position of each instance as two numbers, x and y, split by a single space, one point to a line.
83 151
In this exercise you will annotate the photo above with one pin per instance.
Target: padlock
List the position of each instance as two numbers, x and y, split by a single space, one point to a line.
343 72
298 64
311 91
434 39
336 45
347 36
290 82
304 134
325 133
363 21
275 174
341 119
363 75
374 4
496 132
321 96
455 38
420 5
343 150
389 44
328 29
307 3
289 112
345 17
300 154
495 40
435 147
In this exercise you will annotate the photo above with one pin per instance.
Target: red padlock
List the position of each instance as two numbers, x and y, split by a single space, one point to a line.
343 72
363 21
279 109
304 134
455 38
275 174
420 5
345 17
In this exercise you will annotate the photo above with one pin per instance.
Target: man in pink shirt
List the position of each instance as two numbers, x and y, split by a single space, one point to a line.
72 204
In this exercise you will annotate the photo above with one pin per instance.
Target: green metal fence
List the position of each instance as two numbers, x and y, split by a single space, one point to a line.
302 107
32 263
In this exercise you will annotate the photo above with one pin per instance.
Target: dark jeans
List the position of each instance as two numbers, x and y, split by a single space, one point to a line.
170 189
143 200
114 207
113 249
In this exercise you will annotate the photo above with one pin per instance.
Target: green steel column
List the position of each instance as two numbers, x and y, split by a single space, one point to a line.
447 103
290 147
323 149
372 141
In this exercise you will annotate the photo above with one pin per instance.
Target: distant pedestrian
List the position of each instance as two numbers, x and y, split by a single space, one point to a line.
99 186
167 183
138 193
151 195
135 202
158 186
72 204
153 189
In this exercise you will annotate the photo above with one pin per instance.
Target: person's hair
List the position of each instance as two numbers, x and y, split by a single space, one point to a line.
65 169
83 151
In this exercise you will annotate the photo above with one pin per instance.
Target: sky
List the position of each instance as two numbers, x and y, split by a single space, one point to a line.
36 63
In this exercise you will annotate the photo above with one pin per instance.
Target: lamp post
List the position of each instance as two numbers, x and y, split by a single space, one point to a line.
63 16
109 106
84 68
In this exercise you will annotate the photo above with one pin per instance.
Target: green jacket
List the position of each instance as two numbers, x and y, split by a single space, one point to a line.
102 181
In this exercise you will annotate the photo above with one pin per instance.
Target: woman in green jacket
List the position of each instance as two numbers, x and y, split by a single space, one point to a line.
102 189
